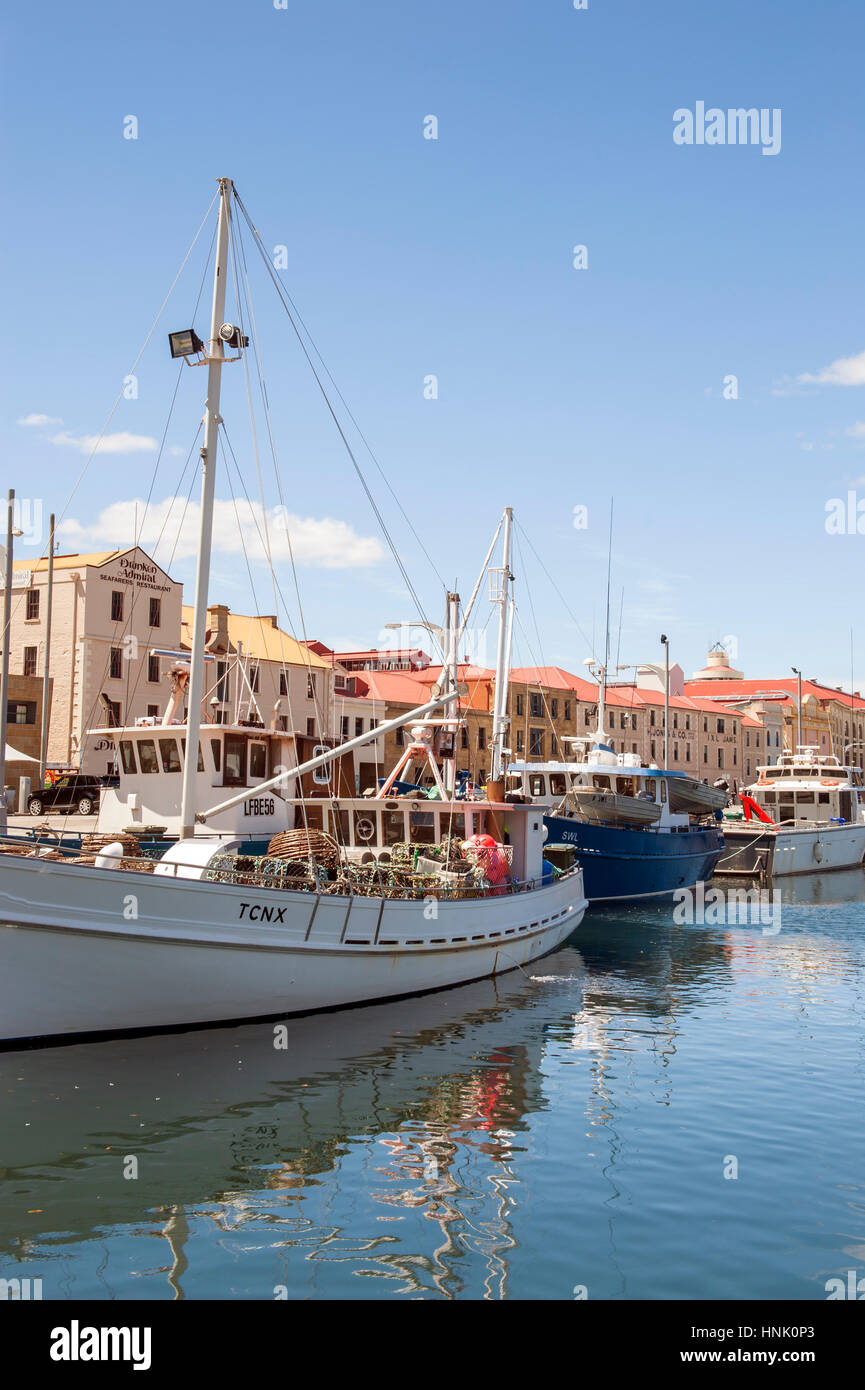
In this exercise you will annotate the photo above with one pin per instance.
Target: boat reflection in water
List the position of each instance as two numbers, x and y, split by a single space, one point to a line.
497 1140
422 1103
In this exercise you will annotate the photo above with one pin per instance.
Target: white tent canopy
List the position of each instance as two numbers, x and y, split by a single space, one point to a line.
13 756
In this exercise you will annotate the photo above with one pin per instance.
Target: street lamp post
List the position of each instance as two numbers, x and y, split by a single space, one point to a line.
798 674
666 645
11 532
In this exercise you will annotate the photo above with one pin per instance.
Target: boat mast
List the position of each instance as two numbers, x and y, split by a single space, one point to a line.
496 784
212 420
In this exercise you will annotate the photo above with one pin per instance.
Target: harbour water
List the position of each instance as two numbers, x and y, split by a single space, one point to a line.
657 1110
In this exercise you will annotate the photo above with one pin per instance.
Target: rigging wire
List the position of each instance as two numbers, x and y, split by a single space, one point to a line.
358 470
345 404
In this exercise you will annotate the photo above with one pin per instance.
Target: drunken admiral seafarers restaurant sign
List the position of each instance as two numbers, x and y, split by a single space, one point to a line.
138 574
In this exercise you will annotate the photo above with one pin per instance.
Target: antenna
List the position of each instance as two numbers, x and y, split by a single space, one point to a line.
609 568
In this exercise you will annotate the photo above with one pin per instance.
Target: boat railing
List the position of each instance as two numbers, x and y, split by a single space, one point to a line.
265 872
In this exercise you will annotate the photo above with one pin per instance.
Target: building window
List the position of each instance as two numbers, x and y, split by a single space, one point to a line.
310 686
554 747
32 604
310 728
735 756
520 704
30 654
221 681
153 669
156 612
536 707
675 752
283 684
554 709
705 723
651 718
567 710
482 740
519 740
115 663
747 738
756 740
152 712
652 750
587 717
687 752
675 719
634 723
116 606
253 678
720 726
687 721
398 736
358 727
344 726
21 711
633 747
720 757
705 753
536 743
464 737
114 719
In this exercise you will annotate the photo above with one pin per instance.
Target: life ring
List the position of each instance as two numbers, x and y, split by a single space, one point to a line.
826 783
364 828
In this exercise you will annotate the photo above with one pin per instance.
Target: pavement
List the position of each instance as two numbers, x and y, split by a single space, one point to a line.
68 821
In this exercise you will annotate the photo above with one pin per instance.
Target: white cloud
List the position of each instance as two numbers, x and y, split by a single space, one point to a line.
120 443
857 431
31 421
169 531
844 371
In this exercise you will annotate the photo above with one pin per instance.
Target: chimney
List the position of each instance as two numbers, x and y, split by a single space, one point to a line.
267 618
217 622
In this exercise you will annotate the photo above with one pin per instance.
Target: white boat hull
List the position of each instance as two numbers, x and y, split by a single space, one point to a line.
89 951
801 849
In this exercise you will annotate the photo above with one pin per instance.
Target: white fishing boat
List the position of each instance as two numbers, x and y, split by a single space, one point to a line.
221 928
804 814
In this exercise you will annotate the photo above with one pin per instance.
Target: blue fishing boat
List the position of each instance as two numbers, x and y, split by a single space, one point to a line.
638 832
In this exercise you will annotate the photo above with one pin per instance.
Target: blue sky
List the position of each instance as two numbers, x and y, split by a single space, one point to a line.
409 257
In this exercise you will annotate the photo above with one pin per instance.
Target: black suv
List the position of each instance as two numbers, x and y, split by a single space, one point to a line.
74 792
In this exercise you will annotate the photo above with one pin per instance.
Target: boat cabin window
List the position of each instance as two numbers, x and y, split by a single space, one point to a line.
625 785
537 785
147 755
647 788
200 755
663 789
558 783
127 756
258 760
235 761
170 755
216 750
804 798
823 798
602 783
394 828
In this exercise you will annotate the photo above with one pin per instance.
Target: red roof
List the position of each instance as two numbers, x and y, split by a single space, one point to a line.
555 678
768 688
